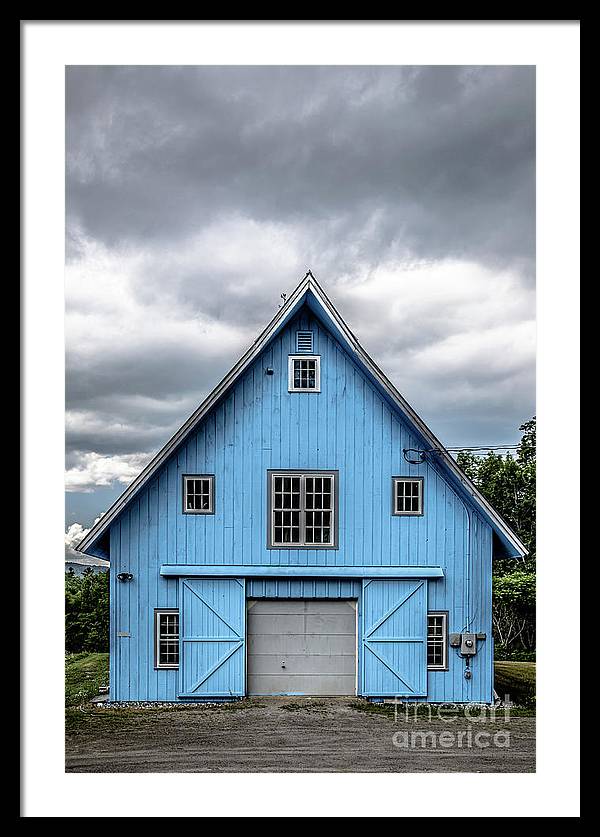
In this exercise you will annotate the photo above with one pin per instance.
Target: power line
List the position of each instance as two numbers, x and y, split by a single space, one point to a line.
471 449
483 447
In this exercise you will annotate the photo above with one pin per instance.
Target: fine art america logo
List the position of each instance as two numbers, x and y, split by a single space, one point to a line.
468 731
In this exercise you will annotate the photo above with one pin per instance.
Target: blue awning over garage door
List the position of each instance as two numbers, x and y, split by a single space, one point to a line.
296 571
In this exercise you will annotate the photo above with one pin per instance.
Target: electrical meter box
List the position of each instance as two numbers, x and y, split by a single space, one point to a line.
468 644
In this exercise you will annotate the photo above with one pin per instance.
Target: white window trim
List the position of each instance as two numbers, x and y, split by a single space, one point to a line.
291 359
211 496
395 481
333 524
158 612
444 665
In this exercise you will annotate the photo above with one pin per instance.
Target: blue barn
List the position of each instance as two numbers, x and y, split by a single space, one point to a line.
304 532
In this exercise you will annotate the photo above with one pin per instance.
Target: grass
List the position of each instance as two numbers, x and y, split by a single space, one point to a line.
516 680
303 707
89 719
429 711
386 709
84 674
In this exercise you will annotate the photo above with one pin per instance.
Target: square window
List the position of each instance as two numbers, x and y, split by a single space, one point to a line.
306 513
198 494
304 373
407 495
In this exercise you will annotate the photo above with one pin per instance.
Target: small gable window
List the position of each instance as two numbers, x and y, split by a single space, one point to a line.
198 494
304 373
304 342
407 495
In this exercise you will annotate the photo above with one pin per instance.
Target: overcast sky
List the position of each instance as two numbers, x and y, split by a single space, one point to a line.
197 195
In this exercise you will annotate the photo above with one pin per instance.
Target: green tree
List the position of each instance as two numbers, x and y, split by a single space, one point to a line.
508 482
86 611
513 610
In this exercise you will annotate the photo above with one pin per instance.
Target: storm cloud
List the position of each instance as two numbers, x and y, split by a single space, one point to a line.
197 195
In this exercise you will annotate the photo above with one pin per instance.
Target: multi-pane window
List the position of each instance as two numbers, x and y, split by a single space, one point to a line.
303 509
198 494
408 495
286 493
166 632
304 373
318 496
437 640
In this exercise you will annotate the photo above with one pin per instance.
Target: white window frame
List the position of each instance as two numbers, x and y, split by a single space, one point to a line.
211 496
444 616
165 611
333 525
317 386
395 481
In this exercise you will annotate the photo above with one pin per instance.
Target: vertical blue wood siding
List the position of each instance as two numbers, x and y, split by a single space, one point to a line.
258 426
310 588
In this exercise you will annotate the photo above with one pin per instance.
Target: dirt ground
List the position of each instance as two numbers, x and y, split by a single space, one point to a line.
297 735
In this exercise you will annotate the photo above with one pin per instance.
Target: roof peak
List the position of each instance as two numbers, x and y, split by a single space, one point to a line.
334 322
308 282
307 279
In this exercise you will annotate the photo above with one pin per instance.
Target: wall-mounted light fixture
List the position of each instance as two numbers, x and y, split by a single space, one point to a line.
124 576
269 370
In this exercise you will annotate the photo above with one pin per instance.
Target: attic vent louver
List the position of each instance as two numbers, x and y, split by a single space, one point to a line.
304 341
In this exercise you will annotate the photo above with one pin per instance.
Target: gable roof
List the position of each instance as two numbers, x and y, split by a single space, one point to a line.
310 292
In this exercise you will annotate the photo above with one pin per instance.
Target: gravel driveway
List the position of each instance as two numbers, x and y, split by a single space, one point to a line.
295 735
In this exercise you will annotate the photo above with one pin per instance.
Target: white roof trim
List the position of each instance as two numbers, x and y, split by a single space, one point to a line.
308 283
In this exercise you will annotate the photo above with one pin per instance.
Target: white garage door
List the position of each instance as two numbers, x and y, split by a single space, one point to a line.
303 647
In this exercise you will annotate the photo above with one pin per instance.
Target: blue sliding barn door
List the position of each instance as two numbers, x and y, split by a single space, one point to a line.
394 638
212 637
